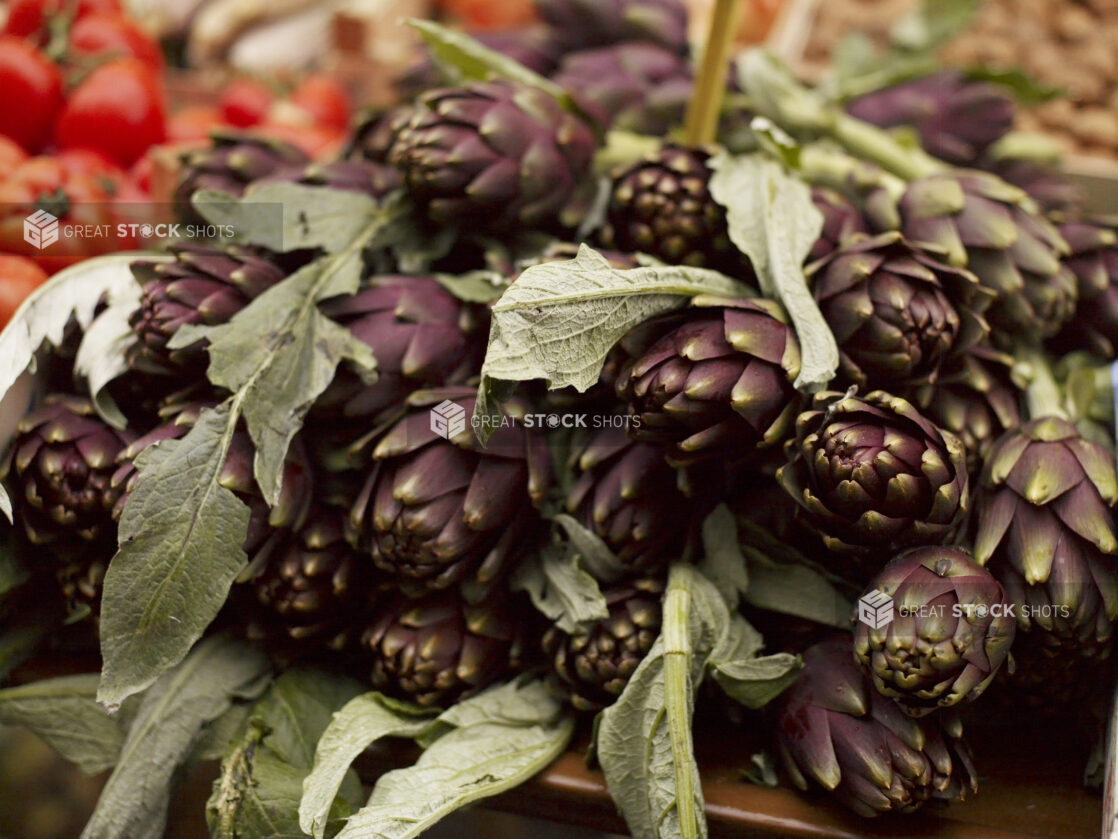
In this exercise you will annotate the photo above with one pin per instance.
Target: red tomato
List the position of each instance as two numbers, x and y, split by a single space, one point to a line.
11 155
118 110
193 123
490 14
245 102
98 35
81 203
28 18
30 93
19 276
324 99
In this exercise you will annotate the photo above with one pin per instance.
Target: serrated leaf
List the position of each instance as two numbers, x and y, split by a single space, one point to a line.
43 316
559 320
643 740
101 354
465 59
498 740
772 220
169 720
362 722
64 712
263 773
279 354
560 589
287 217
179 526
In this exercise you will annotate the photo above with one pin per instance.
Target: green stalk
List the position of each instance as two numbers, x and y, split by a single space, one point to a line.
701 124
1043 396
677 700
826 166
778 95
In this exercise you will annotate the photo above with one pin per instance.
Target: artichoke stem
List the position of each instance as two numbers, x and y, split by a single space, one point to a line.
1043 396
701 124
823 165
678 699
875 144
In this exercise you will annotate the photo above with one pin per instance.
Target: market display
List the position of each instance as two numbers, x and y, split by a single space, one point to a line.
586 389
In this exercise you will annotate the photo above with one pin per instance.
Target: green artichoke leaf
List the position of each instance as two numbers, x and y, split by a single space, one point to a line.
560 588
360 723
218 736
559 320
1026 89
280 352
287 217
465 59
74 293
747 564
101 354
643 741
489 743
64 712
169 719
178 527
743 674
265 767
773 221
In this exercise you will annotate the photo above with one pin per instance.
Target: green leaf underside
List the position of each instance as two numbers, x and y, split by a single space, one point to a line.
280 352
362 722
559 320
101 355
169 720
64 712
180 526
72 292
643 739
773 221
264 772
286 217
494 742
561 589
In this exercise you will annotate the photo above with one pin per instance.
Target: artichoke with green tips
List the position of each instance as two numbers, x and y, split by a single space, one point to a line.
896 313
872 475
438 509
981 223
833 730
438 649
495 155
717 383
592 665
1045 528
951 632
1094 262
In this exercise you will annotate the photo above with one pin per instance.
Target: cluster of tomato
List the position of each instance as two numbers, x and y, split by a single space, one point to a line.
82 101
